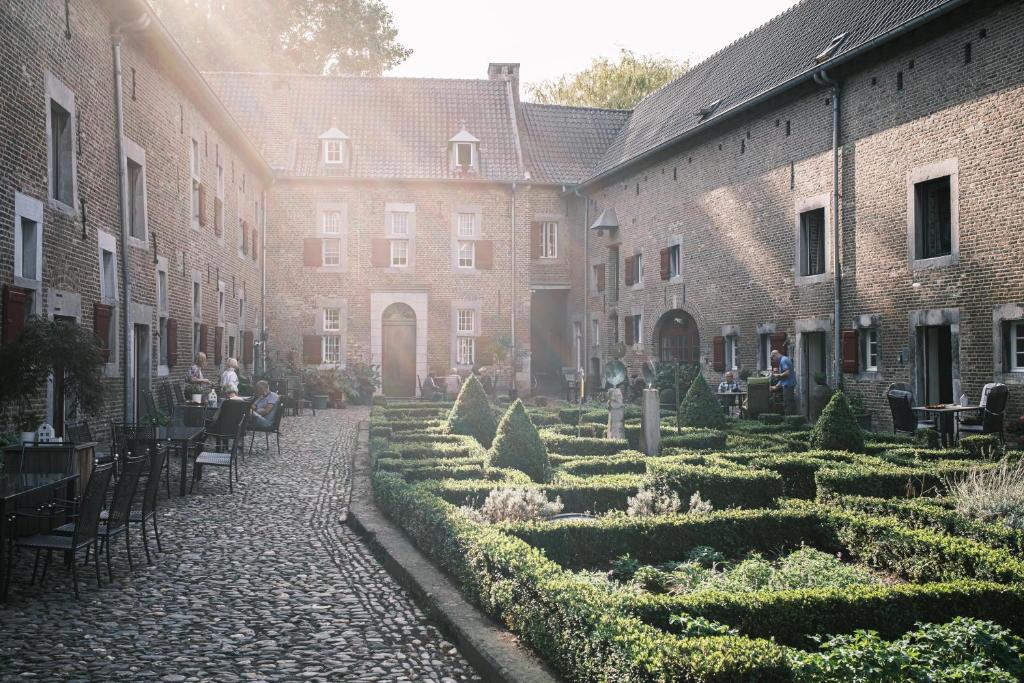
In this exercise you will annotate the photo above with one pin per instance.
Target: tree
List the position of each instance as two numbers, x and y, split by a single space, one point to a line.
700 407
519 446
610 84
329 37
837 428
471 413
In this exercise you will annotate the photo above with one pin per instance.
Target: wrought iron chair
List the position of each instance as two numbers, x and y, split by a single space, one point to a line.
147 511
85 535
274 428
992 414
298 400
167 399
215 459
222 426
179 395
901 404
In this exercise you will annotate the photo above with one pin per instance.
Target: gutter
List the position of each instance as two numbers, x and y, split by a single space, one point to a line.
822 78
805 77
514 389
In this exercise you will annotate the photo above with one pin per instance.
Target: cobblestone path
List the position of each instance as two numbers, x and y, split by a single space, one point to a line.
261 584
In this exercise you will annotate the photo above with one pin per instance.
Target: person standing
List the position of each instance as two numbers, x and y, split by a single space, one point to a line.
785 381
230 374
195 371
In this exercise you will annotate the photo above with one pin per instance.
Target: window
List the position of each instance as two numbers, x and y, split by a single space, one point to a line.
334 152
613 329
933 218
108 275
162 312
332 222
732 352
241 311
595 332
28 263
549 239
812 242
220 304
638 265
869 349
465 350
465 321
197 300
61 155
464 154
400 223
467 224
195 339
674 263
1014 341
764 345
219 217
332 320
194 168
331 252
637 332
332 349
399 253
467 254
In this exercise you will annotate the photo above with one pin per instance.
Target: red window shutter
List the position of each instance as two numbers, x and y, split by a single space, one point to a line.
629 330
718 348
101 317
312 252
245 237
536 237
218 344
203 338
255 244
380 252
202 204
599 276
778 343
172 342
311 349
665 265
15 308
630 280
485 254
218 216
247 347
851 363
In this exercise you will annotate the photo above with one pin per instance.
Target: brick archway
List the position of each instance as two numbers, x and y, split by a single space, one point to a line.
677 337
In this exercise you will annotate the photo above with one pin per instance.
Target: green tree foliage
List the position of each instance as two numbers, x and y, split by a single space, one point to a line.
329 37
519 446
700 407
471 413
837 428
610 84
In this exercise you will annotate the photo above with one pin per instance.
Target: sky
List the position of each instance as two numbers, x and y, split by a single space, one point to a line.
457 38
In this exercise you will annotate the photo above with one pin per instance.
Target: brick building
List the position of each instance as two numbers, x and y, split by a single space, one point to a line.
414 223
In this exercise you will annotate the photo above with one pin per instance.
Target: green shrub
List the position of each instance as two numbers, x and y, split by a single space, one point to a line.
772 418
541 418
595 494
518 446
928 438
909 455
882 480
982 446
723 486
569 416
700 407
794 421
837 428
696 439
573 445
626 462
471 414
590 430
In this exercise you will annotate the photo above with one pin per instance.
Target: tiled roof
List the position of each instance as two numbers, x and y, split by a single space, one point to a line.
767 57
399 127
562 144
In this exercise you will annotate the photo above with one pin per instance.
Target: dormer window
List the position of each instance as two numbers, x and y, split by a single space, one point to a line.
335 147
464 149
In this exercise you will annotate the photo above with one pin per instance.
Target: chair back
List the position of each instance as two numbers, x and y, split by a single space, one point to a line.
147 408
901 406
996 399
149 494
167 399
124 492
78 432
179 395
39 463
92 504
230 413
278 413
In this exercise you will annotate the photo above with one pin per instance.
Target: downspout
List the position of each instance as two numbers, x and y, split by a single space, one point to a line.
116 36
822 78
262 356
586 282
514 389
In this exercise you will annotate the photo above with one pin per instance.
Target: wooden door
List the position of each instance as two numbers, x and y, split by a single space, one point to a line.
398 352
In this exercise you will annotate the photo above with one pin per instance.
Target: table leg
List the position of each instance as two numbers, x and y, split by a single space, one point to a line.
183 447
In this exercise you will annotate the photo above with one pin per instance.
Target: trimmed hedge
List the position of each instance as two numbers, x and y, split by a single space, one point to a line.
626 462
723 486
696 439
890 481
837 428
517 445
595 494
700 407
471 414
590 430
572 445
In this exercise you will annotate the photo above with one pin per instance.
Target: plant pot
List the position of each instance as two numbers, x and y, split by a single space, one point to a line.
28 437
197 398
319 402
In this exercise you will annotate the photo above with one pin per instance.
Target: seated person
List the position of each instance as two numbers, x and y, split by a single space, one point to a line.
976 419
264 406
231 392
728 385
431 389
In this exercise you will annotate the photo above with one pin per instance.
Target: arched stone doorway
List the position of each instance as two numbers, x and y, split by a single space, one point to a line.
398 350
677 337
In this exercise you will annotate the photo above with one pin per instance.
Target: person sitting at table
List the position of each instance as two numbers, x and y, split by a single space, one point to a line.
230 374
231 392
195 371
976 419
728 385
263 407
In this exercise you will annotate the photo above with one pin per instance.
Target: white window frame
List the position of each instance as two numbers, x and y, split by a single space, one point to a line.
595 332
222 216
549 239
922 174
221 303
336 326
802 206
472 154
59 94
331 356
134 153
330 252
330 227
163 298
732 352
462 222
195 174
1016 345
638 329
398 260
27 208
330 148
107 242
463 261
463 318
675 261
393 224
465 351
870 338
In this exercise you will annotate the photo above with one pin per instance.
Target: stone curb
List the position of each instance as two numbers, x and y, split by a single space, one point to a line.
492 650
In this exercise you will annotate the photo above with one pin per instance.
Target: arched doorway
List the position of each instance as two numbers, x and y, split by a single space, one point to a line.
398 350
678 338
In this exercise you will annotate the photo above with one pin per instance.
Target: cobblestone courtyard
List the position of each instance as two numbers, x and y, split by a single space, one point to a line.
262 584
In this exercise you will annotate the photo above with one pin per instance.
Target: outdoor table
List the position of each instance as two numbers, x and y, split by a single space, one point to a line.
741 399
84 460
181 436
191 414
944 415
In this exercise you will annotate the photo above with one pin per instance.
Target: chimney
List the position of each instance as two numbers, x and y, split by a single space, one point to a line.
505 71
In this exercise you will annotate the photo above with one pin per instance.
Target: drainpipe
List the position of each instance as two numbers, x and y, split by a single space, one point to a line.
584 359
262 356
822 78
116 36
514 390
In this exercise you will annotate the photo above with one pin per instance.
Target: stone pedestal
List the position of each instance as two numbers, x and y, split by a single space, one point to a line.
650 431
616 419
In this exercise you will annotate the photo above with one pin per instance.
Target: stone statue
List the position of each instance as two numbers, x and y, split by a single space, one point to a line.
616 414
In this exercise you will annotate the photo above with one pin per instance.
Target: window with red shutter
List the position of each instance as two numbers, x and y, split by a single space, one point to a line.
218 344
718 353
630 273
536 238
248 347
485 254
203 339
172 342
380 252
15 312
666 267
599 277
202 204
312 252
851 363
102 314
312 349
779 343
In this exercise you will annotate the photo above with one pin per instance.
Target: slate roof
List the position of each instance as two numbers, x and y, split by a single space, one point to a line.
562 144
765 58
399 127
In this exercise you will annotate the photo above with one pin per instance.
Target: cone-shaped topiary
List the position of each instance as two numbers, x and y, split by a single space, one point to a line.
700 407
837 428
471 414
519 446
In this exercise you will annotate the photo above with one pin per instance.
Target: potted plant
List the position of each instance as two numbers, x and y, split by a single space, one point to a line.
316 388
26 424
196 392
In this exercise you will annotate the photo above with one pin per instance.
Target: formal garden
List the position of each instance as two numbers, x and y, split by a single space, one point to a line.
766 549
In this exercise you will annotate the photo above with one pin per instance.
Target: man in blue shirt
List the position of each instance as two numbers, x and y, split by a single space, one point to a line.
785 381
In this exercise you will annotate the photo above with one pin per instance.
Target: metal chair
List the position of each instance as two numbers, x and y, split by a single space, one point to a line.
274 428
179 395
992 414
147 512
167 399
215 459
901 404
85 535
